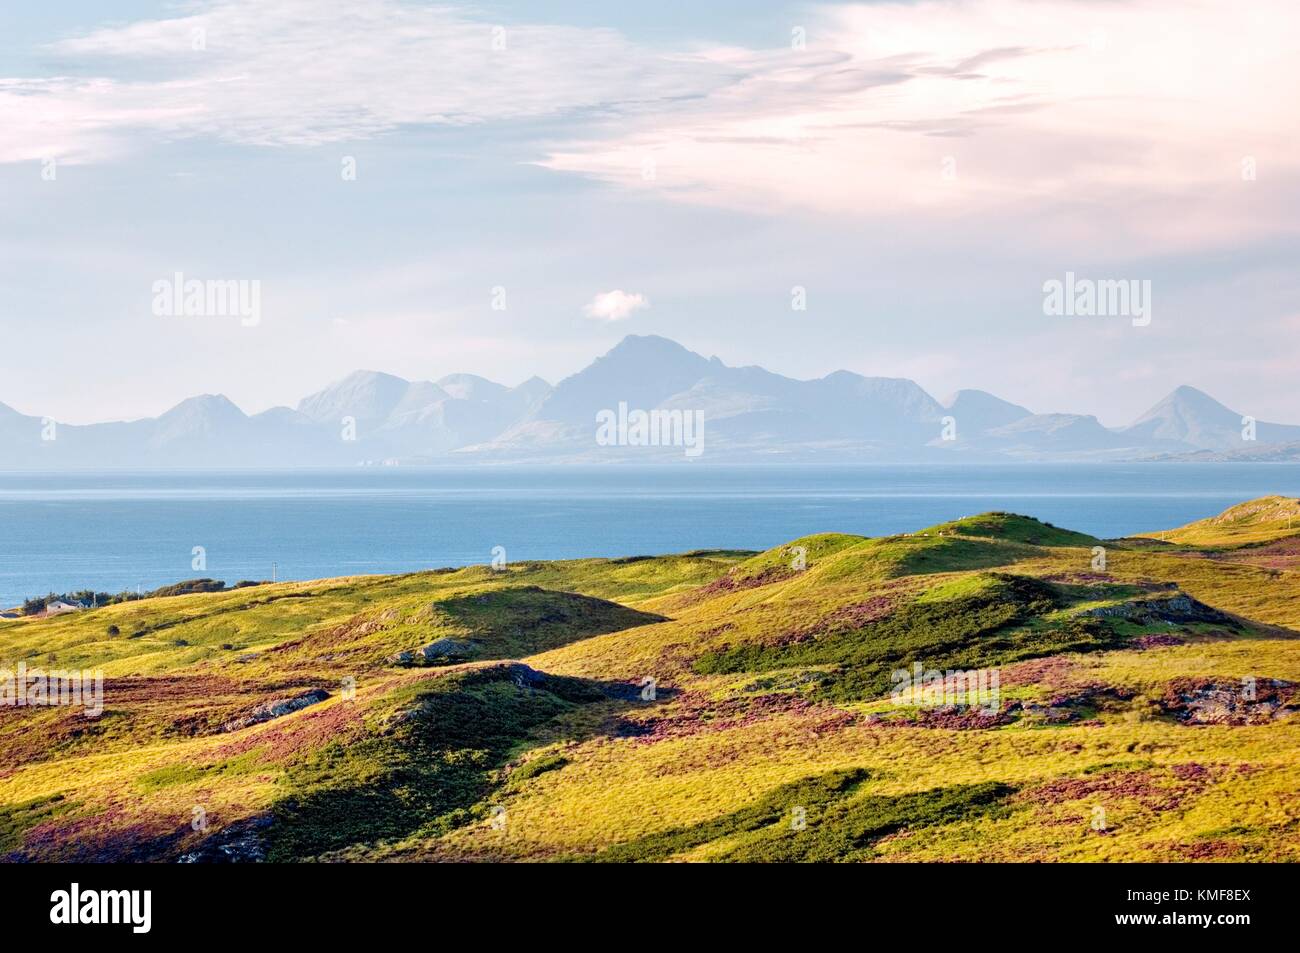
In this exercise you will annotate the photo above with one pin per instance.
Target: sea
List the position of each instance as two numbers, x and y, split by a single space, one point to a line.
115 531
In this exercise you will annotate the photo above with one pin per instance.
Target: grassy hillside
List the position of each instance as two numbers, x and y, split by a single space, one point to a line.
711 706
1255 521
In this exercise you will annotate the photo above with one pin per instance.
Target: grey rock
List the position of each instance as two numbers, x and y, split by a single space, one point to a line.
277 708
441 652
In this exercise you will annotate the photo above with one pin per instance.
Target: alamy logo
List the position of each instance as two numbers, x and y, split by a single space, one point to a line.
977 688
178 297
1107 298
653 428
22 687
134 907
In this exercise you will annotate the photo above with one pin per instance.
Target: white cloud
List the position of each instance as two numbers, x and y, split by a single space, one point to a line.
615 305
1095 124
1091 122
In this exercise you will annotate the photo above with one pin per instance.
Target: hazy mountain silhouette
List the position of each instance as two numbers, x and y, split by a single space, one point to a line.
1196 420
749 413
978 410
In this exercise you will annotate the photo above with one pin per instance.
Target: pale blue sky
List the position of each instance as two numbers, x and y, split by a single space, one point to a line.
1105 139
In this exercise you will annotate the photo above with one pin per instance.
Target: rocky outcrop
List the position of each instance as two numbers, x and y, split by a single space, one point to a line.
520 675
1250 701
1177 609
277 708
1073 706
442 652
239 843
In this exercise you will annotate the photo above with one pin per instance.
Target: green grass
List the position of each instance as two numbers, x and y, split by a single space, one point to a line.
17 819
536 766
893 557
847 830
815 819
771 671
970 623
1255 521
1014 528
521 621
795 556
421 767
811 795
186 774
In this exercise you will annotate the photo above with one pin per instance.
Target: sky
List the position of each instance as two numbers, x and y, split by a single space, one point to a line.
508 189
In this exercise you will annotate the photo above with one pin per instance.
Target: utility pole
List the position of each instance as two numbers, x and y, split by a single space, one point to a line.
273 571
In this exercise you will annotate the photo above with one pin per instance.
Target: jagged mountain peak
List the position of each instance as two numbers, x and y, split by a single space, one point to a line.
977 410
533 384
471 387
210 406
649 344
642 370
364 395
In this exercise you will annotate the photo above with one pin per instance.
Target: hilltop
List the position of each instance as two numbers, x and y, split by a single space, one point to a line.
716 705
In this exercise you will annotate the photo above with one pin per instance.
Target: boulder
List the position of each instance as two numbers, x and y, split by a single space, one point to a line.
1177 609
442 652
525 676
277 708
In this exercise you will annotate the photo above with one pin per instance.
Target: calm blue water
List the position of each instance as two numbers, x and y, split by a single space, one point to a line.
114 531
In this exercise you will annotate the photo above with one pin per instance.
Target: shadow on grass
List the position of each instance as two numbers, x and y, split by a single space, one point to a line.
523 620
817 819
431 764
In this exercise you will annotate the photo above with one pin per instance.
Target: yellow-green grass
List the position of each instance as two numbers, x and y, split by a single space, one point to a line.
613 792
1255 521
633 746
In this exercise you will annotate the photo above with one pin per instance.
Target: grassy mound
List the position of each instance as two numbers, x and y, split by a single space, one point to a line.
809 796
795 556
1014 528
422 765
970 623
893 557
846 831
519 621
1255 521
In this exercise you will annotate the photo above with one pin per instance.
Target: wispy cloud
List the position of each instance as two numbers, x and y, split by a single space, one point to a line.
305 72
1111 119
1117 118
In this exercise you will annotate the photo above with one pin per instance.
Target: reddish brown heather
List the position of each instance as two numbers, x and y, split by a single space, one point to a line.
1144 642
1055 673
695 714
282 739
951 718
118 833
1151 788
734 583
1206 850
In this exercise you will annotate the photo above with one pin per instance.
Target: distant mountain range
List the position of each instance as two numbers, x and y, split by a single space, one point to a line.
748 414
